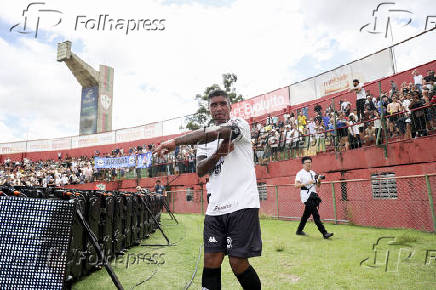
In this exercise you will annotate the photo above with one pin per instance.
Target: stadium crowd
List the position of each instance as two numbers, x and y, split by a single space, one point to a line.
410 112
48 173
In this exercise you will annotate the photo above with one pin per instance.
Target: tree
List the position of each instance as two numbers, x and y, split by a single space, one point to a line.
202 116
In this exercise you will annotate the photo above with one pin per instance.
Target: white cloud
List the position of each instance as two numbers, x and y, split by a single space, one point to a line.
157 73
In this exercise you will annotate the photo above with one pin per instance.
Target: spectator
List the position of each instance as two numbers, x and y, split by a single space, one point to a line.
430 78
360 98
418 116
159 189
417 80
301 121
393 109
394 88
345 107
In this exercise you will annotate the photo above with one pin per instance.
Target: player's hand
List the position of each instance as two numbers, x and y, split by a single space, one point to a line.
165 147
225 148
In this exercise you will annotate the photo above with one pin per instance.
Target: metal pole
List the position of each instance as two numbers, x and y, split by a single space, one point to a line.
383 120
334 202
173 194
430 200
336 139
277 200
201 200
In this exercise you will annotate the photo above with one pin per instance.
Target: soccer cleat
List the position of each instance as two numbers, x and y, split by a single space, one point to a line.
300 233
327 235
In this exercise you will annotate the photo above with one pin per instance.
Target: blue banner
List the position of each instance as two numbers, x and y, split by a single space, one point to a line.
144 160
115 162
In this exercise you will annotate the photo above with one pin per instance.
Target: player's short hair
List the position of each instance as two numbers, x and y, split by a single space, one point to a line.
355 80
157 181
217 93
305 158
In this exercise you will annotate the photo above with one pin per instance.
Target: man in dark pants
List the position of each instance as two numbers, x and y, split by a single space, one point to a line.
360 99
309 185
231 224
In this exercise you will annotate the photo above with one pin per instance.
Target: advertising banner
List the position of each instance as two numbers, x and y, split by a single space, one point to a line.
261 105
130 134
38 145
61 143
153 130
15 147
106 82
302 92
88 111
334 81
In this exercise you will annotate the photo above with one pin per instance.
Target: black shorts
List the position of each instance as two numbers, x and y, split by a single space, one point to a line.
394 118
236 234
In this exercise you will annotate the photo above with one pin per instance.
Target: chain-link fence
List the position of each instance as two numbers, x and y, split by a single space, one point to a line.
381 201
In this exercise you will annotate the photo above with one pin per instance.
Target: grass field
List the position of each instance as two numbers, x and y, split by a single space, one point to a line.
288 261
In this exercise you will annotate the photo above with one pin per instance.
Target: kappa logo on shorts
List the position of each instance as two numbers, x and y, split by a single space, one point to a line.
229 242
212 240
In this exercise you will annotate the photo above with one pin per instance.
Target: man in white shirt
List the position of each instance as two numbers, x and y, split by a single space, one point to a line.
231 224
360 98
346 107
309 185
417 79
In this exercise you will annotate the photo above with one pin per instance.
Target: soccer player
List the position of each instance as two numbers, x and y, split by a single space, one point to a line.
231 224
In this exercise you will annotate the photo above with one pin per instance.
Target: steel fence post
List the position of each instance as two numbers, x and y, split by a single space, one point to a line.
334 202
201 200
430 200
173 195
277 200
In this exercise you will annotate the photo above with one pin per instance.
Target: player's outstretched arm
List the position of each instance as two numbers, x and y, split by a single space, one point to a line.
200 136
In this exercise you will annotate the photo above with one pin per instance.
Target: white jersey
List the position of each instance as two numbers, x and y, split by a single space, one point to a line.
232 184
360 94
304 177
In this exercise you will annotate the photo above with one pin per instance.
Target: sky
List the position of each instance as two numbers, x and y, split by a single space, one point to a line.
267 44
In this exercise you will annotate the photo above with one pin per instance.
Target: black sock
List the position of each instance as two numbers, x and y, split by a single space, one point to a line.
211 278
249 279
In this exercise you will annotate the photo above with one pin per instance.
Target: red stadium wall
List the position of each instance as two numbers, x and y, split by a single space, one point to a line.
410 209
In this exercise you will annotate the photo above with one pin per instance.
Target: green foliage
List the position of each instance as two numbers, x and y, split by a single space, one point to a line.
202 116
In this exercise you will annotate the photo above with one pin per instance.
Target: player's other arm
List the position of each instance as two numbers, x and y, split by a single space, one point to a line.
206 164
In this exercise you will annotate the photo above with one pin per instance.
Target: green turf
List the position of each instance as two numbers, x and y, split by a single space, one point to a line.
288 261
